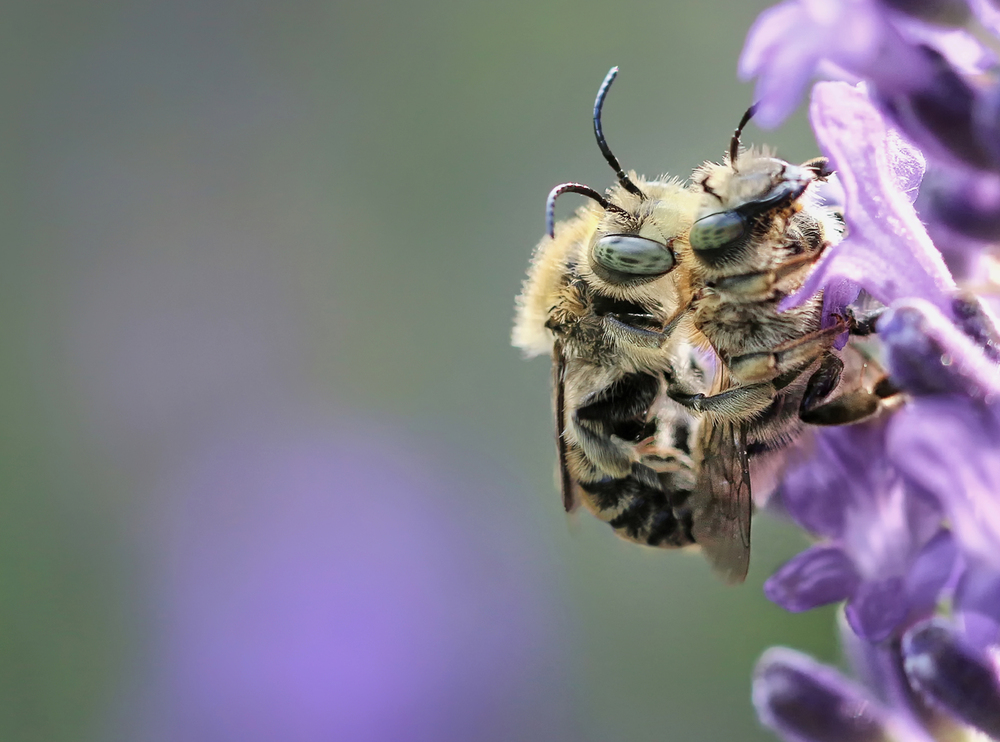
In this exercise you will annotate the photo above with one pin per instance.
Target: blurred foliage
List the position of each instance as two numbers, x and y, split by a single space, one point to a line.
352 192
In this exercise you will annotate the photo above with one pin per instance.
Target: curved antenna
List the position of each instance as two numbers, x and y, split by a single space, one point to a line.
627 184
583 190
734 143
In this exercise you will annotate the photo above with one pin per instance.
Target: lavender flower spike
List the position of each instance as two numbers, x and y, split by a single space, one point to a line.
905 507
885 552
887 250
923 76
803 701
789 43
952 675
928 354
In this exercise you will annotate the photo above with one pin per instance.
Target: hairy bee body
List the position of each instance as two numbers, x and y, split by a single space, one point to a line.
673 365
568 296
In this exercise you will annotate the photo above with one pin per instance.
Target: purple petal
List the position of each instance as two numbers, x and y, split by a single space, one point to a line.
887 250
977 603
963 255
941 113
805 701
986 120
930 573
953 675
782 58
960 47
818 576
944 12
787 43
988 13
877 608
818 488
927 354
771 29
878 666
966 203
949 447
837 295
907 165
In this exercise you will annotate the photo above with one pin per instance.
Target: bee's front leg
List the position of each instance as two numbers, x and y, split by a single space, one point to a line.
621 332
762 285
757 367
736 404
849 407
862 322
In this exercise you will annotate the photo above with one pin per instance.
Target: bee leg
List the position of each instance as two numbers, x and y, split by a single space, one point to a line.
862 323
760 286
756 367
823 381
738 403
610 422
622 333
850 407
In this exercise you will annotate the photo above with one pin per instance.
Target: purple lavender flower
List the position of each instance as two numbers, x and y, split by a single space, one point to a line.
905 507
964 203
807 702
918 73
929 686
885 551
887 250
309 588
800 39
953 675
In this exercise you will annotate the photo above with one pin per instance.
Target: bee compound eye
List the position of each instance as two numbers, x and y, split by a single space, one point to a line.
717 230
633 255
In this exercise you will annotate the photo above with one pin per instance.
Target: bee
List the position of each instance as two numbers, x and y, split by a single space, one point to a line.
672 366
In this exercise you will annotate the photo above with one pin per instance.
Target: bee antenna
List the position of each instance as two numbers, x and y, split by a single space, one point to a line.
627 184
583 190
734 144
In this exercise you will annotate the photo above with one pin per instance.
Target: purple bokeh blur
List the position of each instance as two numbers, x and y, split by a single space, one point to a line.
319 584
307 569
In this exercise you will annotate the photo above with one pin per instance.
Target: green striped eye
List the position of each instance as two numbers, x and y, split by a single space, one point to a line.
717 230
633 255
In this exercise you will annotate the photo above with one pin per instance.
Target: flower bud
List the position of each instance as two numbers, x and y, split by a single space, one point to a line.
818 576
805 701
966 203
952 675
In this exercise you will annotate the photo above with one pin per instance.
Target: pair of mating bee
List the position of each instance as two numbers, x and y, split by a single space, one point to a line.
673 367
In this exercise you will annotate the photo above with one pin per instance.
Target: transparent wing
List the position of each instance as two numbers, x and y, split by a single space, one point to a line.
722 504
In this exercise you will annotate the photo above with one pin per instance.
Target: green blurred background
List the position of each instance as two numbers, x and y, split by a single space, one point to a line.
232 205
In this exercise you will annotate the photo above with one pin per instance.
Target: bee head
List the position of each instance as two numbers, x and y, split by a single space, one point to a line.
619 255
736 203
743 196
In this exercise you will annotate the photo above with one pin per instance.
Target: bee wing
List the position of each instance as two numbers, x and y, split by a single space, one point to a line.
566 486
722 502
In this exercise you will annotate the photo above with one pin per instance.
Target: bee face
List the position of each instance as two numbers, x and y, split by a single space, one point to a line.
744 205
632 254
673 368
